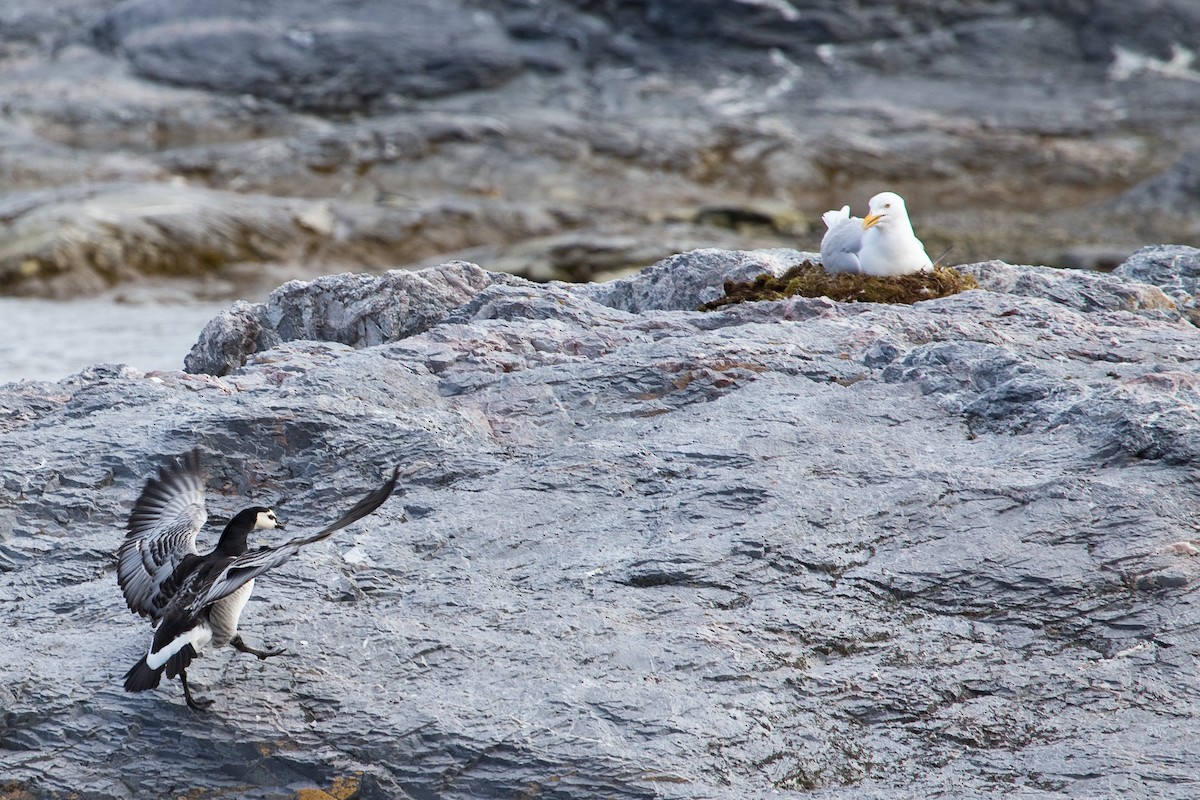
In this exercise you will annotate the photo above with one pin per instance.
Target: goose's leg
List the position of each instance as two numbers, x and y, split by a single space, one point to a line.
193 703
245 648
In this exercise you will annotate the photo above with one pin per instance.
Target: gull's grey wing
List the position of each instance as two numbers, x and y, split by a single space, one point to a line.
841 243
162 533
250 565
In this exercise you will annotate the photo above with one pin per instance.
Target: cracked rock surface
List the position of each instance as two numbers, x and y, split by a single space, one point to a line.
785 548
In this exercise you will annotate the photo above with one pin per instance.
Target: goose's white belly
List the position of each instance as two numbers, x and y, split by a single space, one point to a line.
224 614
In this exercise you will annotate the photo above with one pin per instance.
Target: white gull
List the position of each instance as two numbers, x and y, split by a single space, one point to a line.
883 243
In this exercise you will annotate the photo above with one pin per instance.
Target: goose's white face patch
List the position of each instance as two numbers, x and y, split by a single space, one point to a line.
266 520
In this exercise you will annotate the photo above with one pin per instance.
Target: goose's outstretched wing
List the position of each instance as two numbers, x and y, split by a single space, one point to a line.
251 564
162 533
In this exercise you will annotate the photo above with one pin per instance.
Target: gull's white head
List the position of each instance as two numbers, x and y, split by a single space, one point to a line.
885 208
266 520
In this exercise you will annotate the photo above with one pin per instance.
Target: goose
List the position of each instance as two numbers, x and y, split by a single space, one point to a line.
194 600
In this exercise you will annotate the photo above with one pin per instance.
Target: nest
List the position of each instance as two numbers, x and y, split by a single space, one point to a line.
809 279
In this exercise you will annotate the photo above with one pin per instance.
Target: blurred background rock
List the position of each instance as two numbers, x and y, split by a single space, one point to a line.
163 152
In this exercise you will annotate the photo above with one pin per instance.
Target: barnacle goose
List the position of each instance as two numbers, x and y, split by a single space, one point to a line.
195 600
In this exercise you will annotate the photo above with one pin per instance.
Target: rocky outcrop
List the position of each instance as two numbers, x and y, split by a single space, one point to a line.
569 140
1171 192
1175 268
313 57
783 548
361 311
356 310
99 235
686 281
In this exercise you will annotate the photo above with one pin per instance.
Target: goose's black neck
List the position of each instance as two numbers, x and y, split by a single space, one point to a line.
233 538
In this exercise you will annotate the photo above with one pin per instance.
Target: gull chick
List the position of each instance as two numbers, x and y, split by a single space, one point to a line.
882 243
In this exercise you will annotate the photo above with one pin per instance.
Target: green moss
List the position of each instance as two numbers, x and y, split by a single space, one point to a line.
811 280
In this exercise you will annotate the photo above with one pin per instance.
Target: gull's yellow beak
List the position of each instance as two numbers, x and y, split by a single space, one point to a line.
871 220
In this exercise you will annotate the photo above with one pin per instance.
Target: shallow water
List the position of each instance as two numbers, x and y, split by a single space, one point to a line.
49 340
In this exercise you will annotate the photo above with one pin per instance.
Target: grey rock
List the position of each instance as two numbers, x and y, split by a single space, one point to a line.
1173 268
314 56
1103 27
29 162
229 338
686 281
559 138
1082 291
608 253
1172 192
356 310
1101 258
786 547
85 238
964 37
